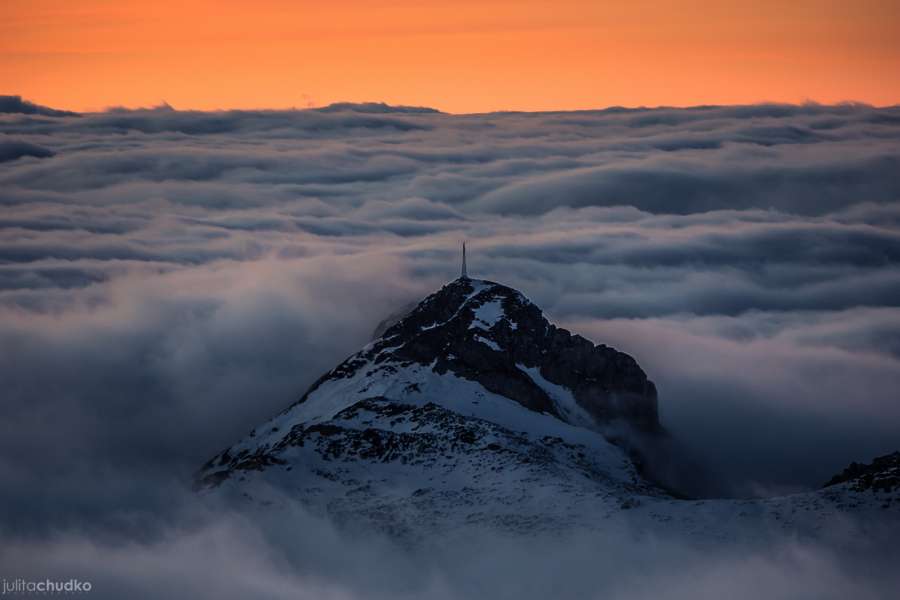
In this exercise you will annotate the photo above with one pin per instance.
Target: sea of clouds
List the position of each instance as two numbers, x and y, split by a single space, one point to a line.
170 279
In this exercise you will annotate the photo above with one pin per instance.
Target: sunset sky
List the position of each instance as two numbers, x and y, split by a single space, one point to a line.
459 56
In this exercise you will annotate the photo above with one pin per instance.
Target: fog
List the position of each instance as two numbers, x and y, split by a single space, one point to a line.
170 279
217 553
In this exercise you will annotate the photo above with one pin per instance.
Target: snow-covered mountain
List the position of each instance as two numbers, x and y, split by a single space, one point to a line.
473 410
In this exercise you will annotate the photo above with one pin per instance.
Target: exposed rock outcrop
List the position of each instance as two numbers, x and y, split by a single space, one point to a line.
882 474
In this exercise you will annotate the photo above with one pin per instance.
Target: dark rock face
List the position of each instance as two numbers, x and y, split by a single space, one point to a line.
490 333
882 474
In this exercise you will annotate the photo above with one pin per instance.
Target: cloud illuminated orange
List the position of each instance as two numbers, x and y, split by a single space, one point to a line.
459 56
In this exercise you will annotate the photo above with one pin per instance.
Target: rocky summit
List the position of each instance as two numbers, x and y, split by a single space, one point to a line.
473 410
493 335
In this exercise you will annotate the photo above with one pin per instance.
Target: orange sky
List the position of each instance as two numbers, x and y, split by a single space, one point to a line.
459 55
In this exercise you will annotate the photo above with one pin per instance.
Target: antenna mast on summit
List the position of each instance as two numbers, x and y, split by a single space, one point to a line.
464 275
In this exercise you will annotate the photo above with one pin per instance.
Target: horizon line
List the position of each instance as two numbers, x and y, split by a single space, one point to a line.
164 105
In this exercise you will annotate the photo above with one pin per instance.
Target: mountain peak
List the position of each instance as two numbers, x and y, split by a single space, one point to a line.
487 339
490 333
472 396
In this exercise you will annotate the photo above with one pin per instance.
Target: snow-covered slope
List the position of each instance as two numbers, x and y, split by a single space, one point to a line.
474 410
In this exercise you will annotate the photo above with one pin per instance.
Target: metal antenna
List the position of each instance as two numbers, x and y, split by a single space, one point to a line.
464 275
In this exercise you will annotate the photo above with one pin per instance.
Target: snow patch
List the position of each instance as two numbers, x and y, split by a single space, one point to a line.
487 315
562 397
489 343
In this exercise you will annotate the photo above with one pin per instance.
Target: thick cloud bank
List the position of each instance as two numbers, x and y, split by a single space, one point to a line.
169 279
223 555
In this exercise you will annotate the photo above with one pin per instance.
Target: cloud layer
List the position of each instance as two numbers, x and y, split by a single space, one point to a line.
169 279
